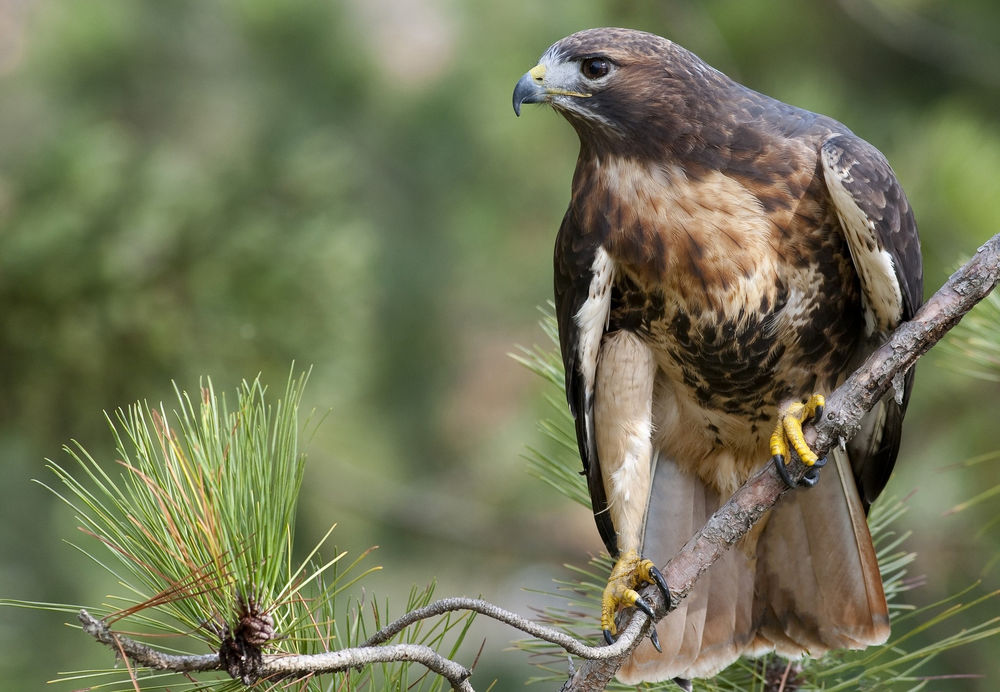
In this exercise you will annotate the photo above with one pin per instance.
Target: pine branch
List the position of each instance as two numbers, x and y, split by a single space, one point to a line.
550 634
277 667
143 654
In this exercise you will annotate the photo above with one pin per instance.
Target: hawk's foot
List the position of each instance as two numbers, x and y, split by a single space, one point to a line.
788 435
629 573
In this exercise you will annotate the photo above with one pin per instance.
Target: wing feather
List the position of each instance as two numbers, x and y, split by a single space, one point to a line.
882 236
584 274
878 222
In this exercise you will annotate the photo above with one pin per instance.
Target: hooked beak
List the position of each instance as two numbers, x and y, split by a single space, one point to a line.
529 88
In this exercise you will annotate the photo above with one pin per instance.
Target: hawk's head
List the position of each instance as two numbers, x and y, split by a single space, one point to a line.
623 87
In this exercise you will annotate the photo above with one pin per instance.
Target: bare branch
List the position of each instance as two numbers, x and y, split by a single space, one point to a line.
335 661
549 634
845 408
145 655
275 667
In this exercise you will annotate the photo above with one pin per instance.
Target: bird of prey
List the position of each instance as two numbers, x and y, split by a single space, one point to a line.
724 260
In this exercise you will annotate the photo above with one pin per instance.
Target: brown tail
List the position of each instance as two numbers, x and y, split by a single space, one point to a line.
808 584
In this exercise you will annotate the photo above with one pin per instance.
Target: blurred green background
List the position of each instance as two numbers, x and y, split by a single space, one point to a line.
218 188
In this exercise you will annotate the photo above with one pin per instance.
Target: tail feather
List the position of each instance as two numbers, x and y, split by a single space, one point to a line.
694 623
680 510
818 578
729 624
806 583
669 524
713 625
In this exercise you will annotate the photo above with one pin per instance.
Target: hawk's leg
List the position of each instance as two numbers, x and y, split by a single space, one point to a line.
788 435
623 396
629 573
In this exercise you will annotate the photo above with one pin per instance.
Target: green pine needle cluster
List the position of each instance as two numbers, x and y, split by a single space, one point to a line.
893 666
195 523
201 510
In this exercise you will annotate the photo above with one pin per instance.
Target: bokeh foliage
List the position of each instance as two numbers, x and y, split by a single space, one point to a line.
196 187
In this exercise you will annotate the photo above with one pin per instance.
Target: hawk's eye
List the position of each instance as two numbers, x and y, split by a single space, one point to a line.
595 68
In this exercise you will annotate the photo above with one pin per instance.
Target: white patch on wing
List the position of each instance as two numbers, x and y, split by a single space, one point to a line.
592 317
883 298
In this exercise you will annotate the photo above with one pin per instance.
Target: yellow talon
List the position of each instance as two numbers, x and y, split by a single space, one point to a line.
629 573
779 448
616 593
644 571
788 435
788 432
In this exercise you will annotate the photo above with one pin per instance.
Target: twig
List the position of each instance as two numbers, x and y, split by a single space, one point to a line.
372 651
550 634
845 408
334 661
145 655
276 667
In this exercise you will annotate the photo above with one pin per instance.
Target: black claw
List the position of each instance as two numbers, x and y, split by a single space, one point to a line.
810 478
661 584
818 415
642 605
655 639
779 465
684 684
608 637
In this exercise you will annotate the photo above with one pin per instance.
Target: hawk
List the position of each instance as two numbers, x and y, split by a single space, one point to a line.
724 258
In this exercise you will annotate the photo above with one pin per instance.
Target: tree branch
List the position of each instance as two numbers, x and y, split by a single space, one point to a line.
143 654
550 634
276 667
845 408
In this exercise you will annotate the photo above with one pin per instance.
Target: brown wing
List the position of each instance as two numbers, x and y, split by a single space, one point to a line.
882 235
577 285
